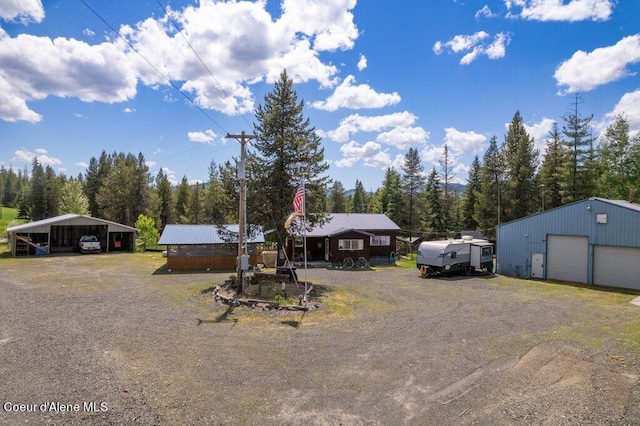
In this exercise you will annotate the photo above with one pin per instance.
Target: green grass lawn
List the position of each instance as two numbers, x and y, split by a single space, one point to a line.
408 261
8 219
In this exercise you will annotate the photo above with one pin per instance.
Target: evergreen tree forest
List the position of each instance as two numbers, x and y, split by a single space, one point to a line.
509 180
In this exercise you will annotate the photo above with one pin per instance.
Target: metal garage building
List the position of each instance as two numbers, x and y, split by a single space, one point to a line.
62 234
594 241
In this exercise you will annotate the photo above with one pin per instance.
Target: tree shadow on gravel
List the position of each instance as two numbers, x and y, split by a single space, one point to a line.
294 324
224 317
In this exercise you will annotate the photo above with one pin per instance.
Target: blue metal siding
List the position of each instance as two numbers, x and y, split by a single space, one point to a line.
517 240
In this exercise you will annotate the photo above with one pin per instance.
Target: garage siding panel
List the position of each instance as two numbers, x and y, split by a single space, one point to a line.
617 266
567 258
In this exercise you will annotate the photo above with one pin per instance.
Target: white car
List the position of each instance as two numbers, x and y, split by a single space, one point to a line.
90 244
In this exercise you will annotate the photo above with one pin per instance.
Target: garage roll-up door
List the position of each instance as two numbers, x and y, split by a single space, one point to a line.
567 258
616 266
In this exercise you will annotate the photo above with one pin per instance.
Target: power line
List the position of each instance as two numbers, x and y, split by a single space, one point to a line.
154 67
203 64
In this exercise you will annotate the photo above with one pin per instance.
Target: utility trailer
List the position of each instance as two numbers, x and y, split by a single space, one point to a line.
459 255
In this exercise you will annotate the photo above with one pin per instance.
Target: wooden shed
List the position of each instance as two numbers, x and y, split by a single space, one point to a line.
62 234
207 247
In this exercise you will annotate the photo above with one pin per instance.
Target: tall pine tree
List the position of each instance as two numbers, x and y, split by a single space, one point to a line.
489 212
521 160
287 151
470 198
413 181
550 176
579 174
432 218
619 161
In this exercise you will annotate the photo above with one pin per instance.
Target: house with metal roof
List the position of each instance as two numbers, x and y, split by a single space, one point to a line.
63 233
593 241
354 235
208 247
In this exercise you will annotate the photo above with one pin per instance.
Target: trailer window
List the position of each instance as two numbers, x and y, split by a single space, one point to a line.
350 244
486 251
454 254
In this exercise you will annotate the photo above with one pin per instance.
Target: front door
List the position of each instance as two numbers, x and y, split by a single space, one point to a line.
326 249
537 265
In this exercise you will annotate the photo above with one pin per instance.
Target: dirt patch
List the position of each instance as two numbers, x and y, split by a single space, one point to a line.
389 348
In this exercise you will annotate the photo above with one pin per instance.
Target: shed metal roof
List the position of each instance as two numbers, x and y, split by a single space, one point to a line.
339 223
68 220
206 234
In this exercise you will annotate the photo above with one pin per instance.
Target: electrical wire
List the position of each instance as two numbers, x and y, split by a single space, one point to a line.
228 97
191 100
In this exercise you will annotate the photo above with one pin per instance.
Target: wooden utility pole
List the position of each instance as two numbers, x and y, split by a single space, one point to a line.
242 212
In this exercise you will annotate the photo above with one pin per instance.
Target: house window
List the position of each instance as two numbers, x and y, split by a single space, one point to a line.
381 240
350 244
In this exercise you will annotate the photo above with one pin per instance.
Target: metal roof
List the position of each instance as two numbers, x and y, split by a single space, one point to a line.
66 219
206 234
339 223
620 203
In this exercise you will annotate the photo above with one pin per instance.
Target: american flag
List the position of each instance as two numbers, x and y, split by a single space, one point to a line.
298 200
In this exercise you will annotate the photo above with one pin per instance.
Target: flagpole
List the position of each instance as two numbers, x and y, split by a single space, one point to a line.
304 243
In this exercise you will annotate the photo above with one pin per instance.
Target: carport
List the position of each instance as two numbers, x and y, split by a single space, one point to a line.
61 234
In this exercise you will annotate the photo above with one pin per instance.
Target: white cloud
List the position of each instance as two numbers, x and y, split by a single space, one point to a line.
540 132
345 162
475 46
356 97
241 43
329 23
362 63
485 12
559 10
208 136
463 142
88 32
82 164
13 107
25 156
129 110
37 67
171 176
404 137
460 42
370 153
629 105
358 123
586 71
24 11
460 173
498 48
433 154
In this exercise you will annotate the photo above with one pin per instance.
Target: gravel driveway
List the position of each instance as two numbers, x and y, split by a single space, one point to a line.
111 340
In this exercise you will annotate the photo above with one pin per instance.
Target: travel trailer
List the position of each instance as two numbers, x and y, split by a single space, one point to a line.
465 254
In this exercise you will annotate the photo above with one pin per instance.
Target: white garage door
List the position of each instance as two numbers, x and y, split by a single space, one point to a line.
616 266
567 258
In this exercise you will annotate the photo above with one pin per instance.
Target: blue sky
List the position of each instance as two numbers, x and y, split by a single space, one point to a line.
377 77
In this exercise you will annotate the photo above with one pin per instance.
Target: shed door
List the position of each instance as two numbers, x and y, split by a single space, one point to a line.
616 266
567 258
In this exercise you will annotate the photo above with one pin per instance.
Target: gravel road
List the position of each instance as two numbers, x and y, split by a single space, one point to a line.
110 339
